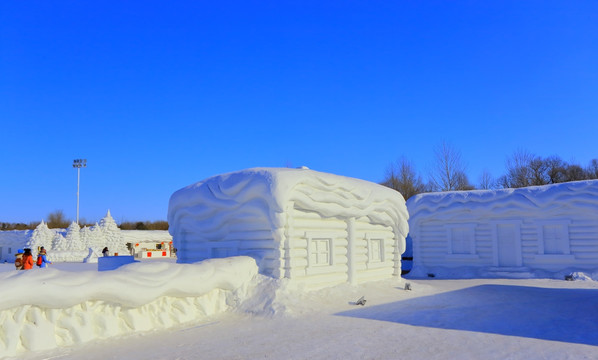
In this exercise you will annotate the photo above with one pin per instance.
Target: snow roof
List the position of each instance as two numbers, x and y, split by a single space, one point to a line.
548 200
270 190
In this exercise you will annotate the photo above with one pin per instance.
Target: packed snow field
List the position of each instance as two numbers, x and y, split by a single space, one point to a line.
244 315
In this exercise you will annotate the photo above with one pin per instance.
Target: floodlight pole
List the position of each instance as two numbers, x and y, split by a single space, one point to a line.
79 163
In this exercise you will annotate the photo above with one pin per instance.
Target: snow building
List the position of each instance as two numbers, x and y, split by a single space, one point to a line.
545 230
10 242
311 227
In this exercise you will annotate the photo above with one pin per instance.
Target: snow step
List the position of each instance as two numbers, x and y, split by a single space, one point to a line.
517 269
518 272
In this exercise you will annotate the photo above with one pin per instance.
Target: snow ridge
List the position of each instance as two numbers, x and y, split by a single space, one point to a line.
66 308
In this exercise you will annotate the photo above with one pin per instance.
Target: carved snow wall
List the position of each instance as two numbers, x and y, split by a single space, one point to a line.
552 228
308 226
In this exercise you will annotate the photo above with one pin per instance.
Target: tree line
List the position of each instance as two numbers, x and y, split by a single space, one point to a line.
57 220
448 173
144 225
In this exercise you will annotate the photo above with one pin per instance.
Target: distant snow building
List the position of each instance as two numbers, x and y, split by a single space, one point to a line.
541 229
308 226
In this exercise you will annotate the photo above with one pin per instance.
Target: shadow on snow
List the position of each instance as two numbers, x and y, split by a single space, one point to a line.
568 315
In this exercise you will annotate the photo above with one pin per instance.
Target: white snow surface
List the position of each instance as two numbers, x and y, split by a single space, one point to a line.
266 318
265 192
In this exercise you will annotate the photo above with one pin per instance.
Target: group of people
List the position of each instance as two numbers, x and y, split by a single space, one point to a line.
24 259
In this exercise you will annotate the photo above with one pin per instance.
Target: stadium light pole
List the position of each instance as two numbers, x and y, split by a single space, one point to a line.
79 163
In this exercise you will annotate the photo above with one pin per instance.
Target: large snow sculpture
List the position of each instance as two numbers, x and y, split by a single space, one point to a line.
544 230
113 237
73 238
41 236
72 244
309 226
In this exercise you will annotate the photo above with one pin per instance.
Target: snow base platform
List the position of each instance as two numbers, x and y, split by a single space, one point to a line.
106 263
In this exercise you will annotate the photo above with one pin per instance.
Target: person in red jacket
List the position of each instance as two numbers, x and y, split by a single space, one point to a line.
27 260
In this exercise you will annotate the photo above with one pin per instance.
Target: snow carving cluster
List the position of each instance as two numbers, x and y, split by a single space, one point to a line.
52 308
75 243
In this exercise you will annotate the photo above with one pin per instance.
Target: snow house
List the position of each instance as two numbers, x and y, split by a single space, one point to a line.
311 227
540 230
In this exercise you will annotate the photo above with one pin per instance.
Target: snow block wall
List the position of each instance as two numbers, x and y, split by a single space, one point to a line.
544 230
308 226
48 309
106 263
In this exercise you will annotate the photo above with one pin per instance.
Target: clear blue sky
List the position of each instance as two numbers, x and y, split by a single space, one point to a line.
159 95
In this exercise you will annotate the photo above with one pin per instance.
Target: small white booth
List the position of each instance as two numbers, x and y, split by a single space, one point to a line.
153 250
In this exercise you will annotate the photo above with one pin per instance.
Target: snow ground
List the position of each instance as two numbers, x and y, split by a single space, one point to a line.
437 319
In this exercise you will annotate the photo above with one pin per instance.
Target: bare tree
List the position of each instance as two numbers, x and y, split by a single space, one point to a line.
486 181
449 171
57 219
463 182
525 169
592 170
555 169
402 177
518 170
575 173
538 172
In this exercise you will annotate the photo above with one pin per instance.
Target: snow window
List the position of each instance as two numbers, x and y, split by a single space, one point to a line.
461 239
376 250
320 252
319 249
553 238
376 256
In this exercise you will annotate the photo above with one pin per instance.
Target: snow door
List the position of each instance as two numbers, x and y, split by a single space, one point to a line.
508 244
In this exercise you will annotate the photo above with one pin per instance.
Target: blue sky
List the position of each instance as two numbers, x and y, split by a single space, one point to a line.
159 95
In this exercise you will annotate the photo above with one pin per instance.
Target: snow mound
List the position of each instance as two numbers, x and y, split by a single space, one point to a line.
580 276
48 308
